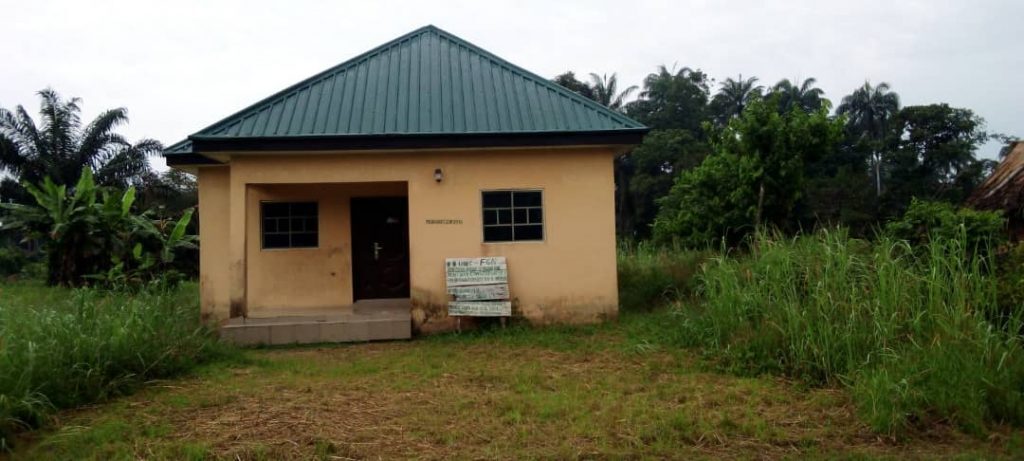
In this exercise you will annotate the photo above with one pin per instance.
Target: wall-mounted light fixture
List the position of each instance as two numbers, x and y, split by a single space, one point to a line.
438 175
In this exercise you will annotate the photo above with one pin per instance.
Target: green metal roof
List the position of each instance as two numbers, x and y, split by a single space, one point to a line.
428 82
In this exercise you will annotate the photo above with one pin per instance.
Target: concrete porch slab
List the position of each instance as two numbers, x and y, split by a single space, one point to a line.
366 320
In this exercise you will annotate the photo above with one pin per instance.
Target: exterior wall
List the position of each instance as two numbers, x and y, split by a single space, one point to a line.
214 284
304 278
568 277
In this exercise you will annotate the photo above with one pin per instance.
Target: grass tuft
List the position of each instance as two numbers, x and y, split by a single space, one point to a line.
915 332
60 347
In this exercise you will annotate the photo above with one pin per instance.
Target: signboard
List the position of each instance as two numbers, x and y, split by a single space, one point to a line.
480 308
479 292
475 271
478 287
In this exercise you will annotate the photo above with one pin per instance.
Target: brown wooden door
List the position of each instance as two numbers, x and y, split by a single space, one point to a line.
380 247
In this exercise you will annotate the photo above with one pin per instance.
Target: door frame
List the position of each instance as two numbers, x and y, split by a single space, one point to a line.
352 239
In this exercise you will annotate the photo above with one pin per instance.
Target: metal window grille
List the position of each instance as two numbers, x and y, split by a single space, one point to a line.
513 215
290 224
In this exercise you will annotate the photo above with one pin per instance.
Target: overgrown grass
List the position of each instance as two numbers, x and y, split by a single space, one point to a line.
651 276
60 348
916 333
513 393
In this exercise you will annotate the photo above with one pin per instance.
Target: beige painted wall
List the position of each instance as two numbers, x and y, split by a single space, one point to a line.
570 276
214 283
303 278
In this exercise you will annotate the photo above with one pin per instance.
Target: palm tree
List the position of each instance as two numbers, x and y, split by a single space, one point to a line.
734 96
870 111
805 96
59 147
605 90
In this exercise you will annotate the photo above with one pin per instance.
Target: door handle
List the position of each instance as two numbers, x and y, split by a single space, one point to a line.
376 251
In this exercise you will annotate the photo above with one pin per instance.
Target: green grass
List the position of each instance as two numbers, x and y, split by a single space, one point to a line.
651 276
60 348
550 393
828 341
916 333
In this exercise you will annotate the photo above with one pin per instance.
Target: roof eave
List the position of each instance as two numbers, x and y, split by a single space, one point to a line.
623 137
180 159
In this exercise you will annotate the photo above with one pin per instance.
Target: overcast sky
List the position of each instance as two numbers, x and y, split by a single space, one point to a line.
179 66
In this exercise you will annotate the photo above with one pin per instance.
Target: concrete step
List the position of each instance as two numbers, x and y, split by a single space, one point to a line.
299 330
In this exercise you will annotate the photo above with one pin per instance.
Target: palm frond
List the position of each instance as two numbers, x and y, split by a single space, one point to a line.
97 134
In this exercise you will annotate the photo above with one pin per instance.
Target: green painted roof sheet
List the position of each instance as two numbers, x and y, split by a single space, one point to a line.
427 82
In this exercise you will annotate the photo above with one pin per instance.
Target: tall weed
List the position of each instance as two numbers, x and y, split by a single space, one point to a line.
918 335
652 276
63 347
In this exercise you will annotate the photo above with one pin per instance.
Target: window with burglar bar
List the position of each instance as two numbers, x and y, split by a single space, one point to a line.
513 215
290 224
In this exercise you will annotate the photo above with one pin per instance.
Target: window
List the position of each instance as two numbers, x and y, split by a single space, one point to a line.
513 216
290 224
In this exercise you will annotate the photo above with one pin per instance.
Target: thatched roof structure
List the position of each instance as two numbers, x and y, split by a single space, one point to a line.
1004 189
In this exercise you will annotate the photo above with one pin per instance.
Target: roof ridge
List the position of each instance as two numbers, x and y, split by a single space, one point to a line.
349 63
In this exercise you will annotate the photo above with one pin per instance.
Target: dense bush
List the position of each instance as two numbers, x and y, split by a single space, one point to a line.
925 221
650 276
12 261
916 334
62 347
89 233
1010 277
754 178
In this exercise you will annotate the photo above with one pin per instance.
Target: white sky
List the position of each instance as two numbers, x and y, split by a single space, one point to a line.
181 65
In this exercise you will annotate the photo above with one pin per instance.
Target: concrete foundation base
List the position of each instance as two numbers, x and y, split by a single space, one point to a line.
366 320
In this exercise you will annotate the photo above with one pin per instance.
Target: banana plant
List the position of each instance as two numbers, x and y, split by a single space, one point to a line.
93 234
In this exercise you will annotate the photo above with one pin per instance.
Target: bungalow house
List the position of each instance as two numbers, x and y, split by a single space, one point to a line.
328 210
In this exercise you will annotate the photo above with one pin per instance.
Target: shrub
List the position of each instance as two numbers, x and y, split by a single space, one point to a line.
912 332
12 260
652 276
91 233
64 347
1010 277
925 221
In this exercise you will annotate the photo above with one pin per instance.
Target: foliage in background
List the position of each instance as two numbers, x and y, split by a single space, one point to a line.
925 221
651 276
93 232
911 332
755 177
887 155
675 103
60 146
12 261
933 157
63 348
733 97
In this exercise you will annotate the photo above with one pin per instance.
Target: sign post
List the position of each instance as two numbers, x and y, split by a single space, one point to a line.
478 287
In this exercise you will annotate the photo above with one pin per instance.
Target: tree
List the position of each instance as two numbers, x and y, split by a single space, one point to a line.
733 97
653 166
605 90
755 176
91 233
869 112
673 103
804 96
168 194
569 80
673 99
934 157
60 147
